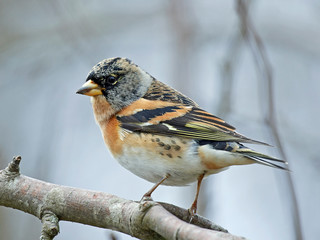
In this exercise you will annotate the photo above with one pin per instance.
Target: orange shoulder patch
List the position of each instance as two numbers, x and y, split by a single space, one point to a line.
171 115
142 104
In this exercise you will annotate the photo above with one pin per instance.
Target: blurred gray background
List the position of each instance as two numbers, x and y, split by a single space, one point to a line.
48 47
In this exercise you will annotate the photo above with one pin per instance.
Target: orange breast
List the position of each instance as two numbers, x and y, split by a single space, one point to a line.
111 135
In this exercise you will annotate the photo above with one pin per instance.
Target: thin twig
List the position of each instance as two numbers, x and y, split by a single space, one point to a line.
264 66
227 79
50 226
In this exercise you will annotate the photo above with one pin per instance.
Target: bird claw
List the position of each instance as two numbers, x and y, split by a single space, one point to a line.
146 202
146 198
192 212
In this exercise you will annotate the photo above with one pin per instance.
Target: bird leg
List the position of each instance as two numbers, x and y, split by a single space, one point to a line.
147 195
193 209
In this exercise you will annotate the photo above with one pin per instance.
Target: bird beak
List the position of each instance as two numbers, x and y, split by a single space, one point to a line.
90 88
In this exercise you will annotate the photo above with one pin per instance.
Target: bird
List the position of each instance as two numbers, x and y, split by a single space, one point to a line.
158 133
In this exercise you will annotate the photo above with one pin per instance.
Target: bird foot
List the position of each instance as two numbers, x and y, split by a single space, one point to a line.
192 212
146 198
145 203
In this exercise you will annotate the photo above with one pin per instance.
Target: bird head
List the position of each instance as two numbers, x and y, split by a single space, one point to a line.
119 80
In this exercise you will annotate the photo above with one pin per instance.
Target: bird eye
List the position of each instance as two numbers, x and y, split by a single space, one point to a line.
111 80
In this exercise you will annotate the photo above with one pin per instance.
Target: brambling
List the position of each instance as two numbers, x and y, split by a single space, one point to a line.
160 134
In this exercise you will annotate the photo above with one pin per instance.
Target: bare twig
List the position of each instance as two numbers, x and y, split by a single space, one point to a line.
144 220
13 168
263 65
50 226
183 24
227 79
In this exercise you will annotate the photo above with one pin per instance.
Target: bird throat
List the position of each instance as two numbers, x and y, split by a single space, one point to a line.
102 109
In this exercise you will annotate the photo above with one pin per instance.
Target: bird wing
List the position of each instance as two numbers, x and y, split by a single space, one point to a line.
162 92
181 120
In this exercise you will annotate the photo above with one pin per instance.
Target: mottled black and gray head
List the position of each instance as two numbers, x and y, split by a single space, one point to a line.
119 80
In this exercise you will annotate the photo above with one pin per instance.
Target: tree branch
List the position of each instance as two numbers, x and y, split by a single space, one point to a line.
145 220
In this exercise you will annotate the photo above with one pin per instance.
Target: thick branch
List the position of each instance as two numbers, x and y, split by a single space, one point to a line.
50 202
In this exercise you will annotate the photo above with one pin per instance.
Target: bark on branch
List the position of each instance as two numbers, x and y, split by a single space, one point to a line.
145 220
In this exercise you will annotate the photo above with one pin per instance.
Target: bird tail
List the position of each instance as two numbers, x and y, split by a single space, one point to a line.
262 158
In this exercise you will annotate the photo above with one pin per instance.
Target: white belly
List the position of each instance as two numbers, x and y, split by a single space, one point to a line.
183 167
152 166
